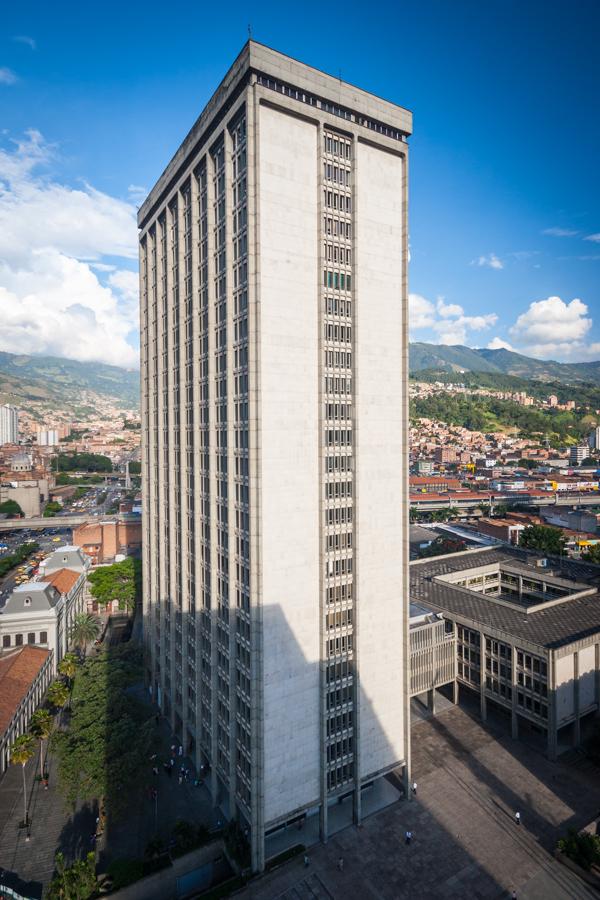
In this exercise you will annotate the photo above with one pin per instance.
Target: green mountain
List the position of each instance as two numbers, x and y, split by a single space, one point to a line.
52 381
506 362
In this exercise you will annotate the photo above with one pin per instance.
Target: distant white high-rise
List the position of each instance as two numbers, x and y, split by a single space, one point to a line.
273 277
9 424
594 438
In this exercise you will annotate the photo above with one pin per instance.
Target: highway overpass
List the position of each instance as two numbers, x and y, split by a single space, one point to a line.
51 522
41 523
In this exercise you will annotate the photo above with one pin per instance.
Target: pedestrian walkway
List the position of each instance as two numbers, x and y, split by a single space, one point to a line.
162 801
465 842
52 827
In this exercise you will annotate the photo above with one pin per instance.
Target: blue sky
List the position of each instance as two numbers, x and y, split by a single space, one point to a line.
505 184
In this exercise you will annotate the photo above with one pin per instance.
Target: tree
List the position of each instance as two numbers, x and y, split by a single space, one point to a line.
528 464
10 509
543 538
41 726
75 882
52 508
58 694
103 753
84 630
85 462
592 554
68 665
120 582
20 754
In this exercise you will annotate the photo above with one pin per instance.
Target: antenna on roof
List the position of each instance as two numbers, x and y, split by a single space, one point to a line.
249 31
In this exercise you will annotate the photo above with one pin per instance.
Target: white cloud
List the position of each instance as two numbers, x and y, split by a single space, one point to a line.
421 312
448 310
446 320
53 239
593 237
498 344
552 327
25 39
491 261
560 232
137 193
7 76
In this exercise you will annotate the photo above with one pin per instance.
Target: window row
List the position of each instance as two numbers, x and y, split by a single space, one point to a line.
338 281
337 227
338 464
333 200
337 146
336 174
338 359
18 639
336 254
336 489
339 333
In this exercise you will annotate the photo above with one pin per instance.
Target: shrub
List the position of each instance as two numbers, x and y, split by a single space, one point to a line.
582 848
125 871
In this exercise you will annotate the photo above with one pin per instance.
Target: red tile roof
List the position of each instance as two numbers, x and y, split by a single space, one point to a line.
63 580
18 670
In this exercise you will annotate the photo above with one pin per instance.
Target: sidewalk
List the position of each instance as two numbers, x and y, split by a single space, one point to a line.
52 828
155 818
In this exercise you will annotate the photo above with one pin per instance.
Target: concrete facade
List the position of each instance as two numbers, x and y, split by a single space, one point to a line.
274 406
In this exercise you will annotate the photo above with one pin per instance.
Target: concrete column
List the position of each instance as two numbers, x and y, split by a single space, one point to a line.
323 823
431 701
552 730
577 722
514 718
455 691
597 680
482 698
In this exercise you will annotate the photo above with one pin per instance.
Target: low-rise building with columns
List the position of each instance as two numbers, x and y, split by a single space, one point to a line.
527 635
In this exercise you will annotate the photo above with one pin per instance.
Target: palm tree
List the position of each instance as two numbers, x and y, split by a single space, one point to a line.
41 726
58 694
20 754
84 630
68 665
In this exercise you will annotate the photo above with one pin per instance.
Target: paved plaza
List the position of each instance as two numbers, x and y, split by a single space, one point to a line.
471 780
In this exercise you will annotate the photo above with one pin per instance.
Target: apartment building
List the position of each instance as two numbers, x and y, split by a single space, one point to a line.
9 424
273 256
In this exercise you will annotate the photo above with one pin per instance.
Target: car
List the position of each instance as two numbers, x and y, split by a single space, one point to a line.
56 540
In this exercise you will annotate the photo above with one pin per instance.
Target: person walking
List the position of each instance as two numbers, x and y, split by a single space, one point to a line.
513 895
518 818
180 750
341 864
414 788
306 861
408 837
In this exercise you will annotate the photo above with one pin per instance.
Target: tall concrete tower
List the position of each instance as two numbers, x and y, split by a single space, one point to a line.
273 255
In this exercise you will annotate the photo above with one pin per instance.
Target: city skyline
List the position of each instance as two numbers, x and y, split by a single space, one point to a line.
493 229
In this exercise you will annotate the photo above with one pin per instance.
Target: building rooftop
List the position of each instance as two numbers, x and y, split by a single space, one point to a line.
562 620
340 97
63 580
18 670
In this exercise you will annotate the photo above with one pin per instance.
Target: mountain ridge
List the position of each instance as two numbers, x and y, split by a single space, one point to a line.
57 380
456 357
